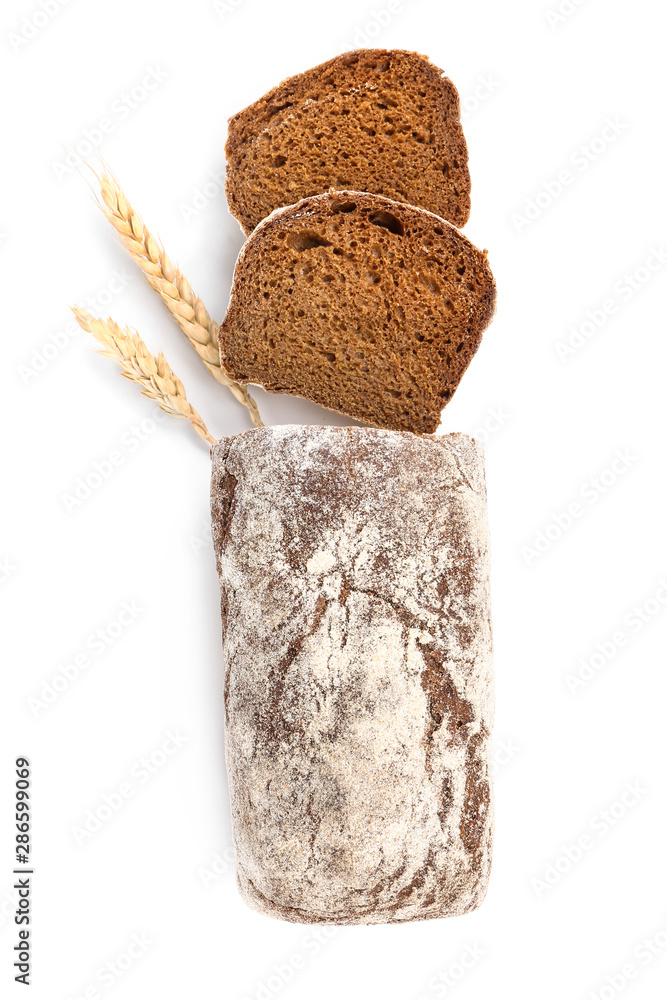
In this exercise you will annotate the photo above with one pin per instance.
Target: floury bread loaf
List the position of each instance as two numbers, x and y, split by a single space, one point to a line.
358 690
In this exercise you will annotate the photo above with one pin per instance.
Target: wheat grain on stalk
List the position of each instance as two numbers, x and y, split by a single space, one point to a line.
151 372
174 289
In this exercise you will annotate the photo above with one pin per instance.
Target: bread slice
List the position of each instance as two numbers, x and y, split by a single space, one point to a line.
366 306
385 121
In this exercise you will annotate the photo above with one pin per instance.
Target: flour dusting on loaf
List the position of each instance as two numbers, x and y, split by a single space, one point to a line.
358 686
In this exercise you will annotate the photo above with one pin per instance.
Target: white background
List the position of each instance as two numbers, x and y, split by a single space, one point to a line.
538 92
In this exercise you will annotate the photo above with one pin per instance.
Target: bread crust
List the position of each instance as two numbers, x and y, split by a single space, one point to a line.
380 120
358 687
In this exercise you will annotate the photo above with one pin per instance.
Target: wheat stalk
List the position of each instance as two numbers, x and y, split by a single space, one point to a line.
173 288
152 373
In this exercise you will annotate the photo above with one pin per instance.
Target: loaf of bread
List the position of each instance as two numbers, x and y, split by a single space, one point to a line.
366 306
358 691
373 120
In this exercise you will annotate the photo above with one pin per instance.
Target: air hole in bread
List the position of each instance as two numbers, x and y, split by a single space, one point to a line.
343 206
306 240
275 108
280 161
387 221
430 283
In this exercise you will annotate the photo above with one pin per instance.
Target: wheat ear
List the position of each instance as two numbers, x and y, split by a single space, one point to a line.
173 288
151 372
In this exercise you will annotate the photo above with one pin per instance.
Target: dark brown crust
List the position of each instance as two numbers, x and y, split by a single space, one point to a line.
367 306
380 120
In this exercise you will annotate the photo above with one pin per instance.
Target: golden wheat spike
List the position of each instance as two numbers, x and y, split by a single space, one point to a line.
173 288
151 372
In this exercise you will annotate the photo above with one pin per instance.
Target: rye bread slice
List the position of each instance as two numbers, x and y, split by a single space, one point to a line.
367 306
378 120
